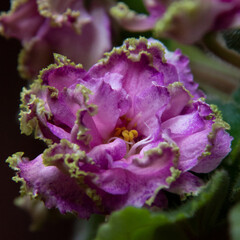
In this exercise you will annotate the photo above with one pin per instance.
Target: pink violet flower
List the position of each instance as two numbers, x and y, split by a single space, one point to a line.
78 30
186 21
131 128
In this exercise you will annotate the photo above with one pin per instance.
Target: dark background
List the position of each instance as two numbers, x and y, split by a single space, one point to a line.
15 222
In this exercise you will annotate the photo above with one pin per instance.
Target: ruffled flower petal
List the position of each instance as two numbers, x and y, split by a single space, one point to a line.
220 148
55 187
186 184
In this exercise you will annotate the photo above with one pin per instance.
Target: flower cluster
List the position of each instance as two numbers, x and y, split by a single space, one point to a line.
79 30
122 133
186 21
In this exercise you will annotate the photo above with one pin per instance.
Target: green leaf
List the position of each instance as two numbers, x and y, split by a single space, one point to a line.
234 219
193 219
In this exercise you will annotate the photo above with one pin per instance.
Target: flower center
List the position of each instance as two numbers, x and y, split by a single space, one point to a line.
126 135
134 140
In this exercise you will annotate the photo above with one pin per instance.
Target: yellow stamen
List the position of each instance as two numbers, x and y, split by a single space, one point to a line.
118 131
127 136
135 133
123 133
131 136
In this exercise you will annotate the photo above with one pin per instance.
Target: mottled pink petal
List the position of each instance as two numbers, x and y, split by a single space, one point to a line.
191 148
55 188
220 149
184 125
187 183
149 105
108 111
105 154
